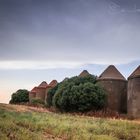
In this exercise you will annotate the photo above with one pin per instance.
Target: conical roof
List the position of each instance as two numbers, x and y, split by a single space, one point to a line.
111 72
84 73
33 90
136 73
43 84
53 83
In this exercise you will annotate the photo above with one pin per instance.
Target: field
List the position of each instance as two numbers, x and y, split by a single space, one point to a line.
28 123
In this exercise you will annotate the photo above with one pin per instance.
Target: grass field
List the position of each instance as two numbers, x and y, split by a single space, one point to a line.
27 123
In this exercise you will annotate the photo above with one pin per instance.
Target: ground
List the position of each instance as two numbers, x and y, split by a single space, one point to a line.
19 122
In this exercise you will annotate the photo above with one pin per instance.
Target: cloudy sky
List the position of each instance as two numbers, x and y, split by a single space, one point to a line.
53 39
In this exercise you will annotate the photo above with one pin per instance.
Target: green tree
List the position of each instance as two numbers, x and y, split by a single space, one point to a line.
20 96
50 95
79 94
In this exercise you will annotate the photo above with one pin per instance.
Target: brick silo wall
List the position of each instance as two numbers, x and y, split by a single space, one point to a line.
133 99
32 95
40 94
46 93
116 94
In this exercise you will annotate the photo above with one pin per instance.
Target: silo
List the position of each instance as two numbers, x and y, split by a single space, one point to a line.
51 85
115 86
32 94
133 99
41 90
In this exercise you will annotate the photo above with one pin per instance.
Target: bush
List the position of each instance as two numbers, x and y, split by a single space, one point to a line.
50 95
79 94
20 96
37 102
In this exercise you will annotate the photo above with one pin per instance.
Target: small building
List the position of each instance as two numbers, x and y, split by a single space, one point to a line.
115 86
133 99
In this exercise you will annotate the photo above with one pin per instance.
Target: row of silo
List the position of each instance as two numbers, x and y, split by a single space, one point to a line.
40 92
123 95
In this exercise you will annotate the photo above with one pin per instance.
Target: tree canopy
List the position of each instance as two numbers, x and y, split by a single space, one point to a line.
79 94
20 96
50 95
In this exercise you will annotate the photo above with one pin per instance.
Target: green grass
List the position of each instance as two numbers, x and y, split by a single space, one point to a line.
31 125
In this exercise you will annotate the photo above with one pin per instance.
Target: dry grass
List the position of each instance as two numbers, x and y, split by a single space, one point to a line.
30 123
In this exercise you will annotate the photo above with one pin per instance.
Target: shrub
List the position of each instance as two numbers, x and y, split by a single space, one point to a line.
37 102
50 95
79 94
20 96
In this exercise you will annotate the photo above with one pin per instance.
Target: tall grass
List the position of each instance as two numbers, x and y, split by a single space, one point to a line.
40 126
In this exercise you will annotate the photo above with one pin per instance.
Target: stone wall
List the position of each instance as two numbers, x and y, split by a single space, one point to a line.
41 91
116 94
133 97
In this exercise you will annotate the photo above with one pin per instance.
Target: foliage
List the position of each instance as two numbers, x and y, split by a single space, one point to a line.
79 94
20 96
50 95
37 102
30 125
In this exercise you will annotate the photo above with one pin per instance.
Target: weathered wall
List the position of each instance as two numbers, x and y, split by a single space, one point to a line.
32 95
46 93
40 93
133 99
123 108
117 94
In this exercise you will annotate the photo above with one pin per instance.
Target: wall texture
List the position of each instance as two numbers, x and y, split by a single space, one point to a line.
115 86
41 91
133 99
116 94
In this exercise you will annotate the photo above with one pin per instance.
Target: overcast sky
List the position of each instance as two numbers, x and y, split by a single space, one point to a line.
51 39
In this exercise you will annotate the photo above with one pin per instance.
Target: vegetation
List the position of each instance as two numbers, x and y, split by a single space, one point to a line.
20 96
50 95
37 102
79 94
20 123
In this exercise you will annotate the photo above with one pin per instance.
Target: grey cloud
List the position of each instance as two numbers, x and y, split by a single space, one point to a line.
69 30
